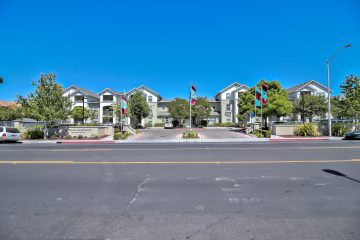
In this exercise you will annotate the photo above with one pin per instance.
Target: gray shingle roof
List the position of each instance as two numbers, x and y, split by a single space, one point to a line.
87 92
301 85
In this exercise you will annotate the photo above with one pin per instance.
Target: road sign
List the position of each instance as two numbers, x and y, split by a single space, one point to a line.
252 115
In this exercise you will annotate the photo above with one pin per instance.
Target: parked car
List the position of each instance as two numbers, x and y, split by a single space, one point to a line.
9 134
168 125
352 135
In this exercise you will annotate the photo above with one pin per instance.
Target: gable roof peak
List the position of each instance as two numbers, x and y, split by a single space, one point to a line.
304 84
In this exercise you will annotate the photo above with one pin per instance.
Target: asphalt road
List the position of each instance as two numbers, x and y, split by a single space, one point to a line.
181 191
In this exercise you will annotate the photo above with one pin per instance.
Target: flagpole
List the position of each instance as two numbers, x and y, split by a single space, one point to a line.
190 104
255 108
121 100
261 98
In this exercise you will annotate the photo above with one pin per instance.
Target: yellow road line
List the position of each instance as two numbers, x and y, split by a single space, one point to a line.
177 162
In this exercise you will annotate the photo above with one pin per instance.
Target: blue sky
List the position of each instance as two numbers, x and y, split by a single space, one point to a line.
168 44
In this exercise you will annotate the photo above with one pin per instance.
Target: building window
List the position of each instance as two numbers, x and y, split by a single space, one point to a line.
79 98
239 94
228 95
228 107
108 98
150 98
107 114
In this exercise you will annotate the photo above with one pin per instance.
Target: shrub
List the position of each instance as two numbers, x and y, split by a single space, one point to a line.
200 126
36 132
307 129
116 130
68 137
262 133
266 133
147 125
80 137
190 134
258 134
339 129
122 135
226 124
159 125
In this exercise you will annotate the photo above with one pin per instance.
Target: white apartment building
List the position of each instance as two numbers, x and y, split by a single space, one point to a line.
224 105
310 87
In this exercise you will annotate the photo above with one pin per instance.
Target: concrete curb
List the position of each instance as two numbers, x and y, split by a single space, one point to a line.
224 140
39 142
306 139
88 142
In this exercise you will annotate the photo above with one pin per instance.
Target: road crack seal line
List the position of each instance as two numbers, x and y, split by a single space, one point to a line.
139 189
207 226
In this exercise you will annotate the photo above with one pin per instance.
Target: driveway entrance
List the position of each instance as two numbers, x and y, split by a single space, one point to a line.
175 134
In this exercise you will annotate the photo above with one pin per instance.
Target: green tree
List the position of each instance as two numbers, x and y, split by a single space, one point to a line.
351 97
313 105
338 108
137 107
201 110
10 113
277 101
246 104
77 113
179 109
47 103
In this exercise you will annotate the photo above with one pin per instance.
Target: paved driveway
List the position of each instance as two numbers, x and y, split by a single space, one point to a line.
159 133
205 133
221 133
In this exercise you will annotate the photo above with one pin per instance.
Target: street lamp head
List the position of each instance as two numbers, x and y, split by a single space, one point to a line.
347 45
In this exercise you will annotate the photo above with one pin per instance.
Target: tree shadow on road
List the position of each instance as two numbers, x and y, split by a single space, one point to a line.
339 174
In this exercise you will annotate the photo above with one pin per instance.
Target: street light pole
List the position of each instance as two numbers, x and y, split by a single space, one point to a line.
303 107
328 83
83 119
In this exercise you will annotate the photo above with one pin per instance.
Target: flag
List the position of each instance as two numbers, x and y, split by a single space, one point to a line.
193 101
193 91
193 95
123 105
257 97
264 91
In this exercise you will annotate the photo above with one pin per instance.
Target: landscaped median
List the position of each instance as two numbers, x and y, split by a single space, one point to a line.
190 136
122 135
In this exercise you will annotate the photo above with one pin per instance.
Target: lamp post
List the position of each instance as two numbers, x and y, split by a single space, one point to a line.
83 118
303 107
328 81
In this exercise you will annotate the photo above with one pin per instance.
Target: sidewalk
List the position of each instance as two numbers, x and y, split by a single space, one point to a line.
297 138
106 140
109 140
